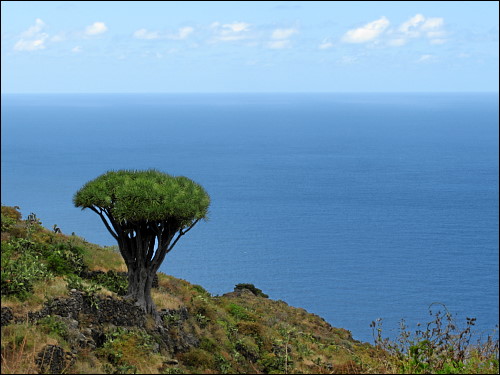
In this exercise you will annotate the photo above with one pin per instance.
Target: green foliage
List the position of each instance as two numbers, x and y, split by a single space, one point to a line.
90 290
272 363
53 325
63 258
171 319
10 216
252 288
130 195
199 289
198 358
222 364
121 346
202 320
7 222
441 347
22 266
239 312
113 281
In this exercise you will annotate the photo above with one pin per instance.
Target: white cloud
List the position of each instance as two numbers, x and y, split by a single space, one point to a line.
409 27
33 30
76 49
280 38
366 33
61 37
398 42
418 26
279 44
31 45
433 23
426 58
145 34
325 45
237 26
96 28
230 32
435 34
33 38
280 34
183 33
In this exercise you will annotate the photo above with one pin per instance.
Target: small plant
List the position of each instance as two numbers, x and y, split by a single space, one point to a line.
63 258
438 347
202 320
239 312
199 289
90 290
171 319
22 266
125 349
113 281
53 325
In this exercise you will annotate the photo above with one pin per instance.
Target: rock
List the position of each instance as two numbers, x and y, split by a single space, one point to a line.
6 316
171 362
52 359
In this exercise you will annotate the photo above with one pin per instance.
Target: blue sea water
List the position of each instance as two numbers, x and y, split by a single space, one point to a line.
352 206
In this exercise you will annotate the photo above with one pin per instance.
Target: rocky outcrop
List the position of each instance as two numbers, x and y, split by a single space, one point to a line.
52 359
96 310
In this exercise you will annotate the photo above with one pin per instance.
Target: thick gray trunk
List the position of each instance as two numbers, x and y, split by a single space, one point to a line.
140 280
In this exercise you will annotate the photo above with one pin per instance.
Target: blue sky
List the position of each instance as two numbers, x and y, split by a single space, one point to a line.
269 46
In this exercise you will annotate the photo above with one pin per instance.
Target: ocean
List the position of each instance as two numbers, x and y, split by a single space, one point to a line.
352 206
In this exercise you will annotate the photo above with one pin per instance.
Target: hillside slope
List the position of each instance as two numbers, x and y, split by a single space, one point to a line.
63 312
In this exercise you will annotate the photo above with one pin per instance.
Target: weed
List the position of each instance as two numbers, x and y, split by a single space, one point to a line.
438 347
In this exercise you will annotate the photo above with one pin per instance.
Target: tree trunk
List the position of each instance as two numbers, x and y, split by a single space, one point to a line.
140 280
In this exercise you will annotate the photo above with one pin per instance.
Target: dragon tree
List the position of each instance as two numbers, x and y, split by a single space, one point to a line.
146 212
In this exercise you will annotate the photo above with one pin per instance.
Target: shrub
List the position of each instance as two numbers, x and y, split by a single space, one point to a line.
113 281
21 268
63 258
252 288
249 328
197 358
126 350
239 312
439 347
53 325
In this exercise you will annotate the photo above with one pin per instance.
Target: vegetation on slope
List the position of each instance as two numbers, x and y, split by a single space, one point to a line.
63 312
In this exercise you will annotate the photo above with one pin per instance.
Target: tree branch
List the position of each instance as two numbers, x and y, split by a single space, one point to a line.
104 221
182 233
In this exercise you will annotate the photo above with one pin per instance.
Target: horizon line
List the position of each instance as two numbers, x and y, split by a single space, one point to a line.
248 92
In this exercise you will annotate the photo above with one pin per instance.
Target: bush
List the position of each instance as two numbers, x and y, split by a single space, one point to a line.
439 347
252 288
10 216
197 358
53 325
21 268
239 312
113 281
126 349
63 258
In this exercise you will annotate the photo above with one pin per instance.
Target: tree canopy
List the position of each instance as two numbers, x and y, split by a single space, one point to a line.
131 195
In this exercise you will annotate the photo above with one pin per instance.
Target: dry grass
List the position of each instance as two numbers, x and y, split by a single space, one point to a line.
99 258
163 300
21 344
42 292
